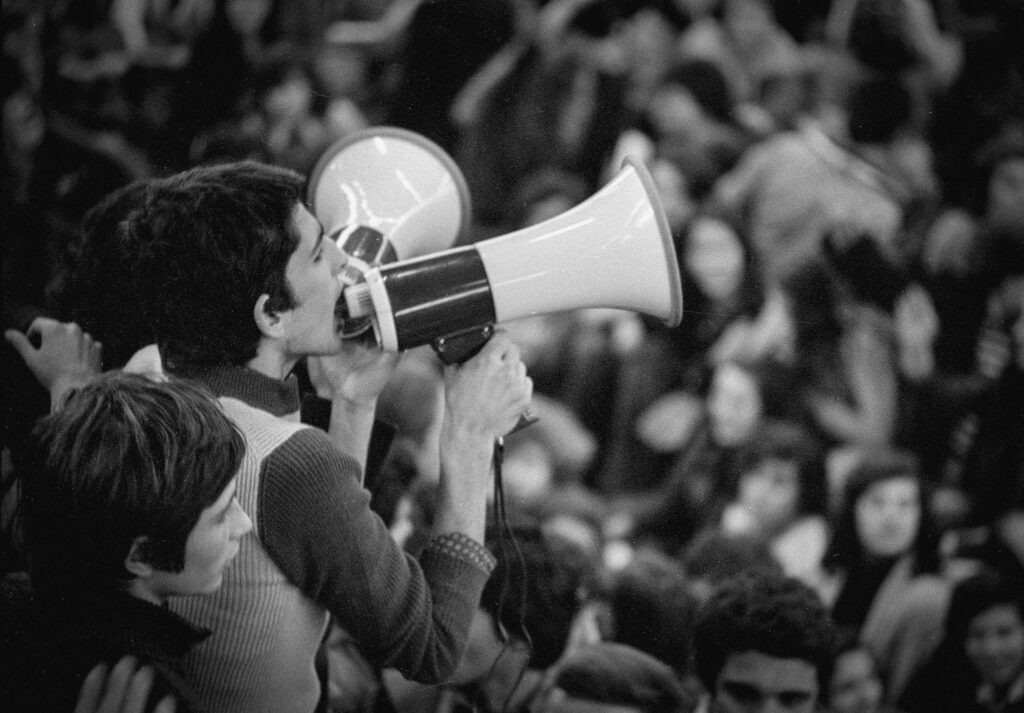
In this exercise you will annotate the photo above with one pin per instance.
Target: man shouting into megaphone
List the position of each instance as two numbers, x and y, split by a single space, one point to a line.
239 283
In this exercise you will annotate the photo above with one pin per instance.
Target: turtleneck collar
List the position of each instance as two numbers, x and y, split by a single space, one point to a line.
276 396
126 623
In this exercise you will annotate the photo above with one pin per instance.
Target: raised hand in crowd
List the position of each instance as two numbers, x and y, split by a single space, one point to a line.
66 356
916 326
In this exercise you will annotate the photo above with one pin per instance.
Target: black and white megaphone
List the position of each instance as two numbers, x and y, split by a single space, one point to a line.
386 194
612 250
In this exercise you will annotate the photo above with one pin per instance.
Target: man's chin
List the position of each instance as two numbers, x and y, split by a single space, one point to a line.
331 346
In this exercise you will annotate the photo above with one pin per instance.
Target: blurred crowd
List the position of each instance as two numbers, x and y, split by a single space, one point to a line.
843 401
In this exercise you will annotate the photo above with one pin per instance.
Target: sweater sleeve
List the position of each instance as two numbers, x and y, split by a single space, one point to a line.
316 524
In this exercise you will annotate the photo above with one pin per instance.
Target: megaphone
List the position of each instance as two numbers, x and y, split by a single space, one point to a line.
612 250
386 194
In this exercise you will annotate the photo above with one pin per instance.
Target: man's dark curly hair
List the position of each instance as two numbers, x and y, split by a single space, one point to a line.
535 594
206 244
769 613
93 289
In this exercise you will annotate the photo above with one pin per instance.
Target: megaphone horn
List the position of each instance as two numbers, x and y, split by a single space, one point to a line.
385 194
612 250
396 182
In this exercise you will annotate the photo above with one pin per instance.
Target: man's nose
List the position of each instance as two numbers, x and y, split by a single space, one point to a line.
338 258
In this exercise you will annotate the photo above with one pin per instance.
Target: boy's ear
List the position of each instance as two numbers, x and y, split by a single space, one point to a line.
269 322
135 561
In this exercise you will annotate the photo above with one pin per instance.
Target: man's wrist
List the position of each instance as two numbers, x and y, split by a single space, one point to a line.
60 386
466 433
354 405
460 546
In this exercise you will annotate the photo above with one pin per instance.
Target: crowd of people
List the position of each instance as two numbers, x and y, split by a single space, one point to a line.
809 495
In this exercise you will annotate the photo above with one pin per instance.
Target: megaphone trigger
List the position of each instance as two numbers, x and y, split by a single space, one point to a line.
458 347
527 418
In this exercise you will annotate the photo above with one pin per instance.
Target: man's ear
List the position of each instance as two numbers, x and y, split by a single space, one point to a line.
269 322
135 561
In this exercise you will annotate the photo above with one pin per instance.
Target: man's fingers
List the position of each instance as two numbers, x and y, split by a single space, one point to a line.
138 691
20 343
497 346
41 325
167 705
92 687
96 355
117 684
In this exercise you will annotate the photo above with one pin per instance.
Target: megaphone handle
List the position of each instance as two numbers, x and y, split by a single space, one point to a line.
526 418
460 346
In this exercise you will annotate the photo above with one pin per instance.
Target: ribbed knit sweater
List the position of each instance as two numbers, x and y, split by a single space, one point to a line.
316 550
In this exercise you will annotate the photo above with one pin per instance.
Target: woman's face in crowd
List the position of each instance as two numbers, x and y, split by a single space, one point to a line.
714 258
248 16
674 192
734 404
1006 193
995 644
23 122
770 491
887 516
674 111
340 71
855 686
747 21
1013 295
290 99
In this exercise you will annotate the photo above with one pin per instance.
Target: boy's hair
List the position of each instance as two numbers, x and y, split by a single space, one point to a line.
124 458
207 243
535 590
618 674
759 611
716 556
653 608
977 594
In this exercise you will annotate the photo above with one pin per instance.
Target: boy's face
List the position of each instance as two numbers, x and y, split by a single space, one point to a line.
753 682
212 543
312 274
855 686
995 644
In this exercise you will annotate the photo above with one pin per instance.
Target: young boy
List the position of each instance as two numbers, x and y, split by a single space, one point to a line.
129 500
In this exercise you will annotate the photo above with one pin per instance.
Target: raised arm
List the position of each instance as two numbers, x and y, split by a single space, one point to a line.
65 358
316 524
352 381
